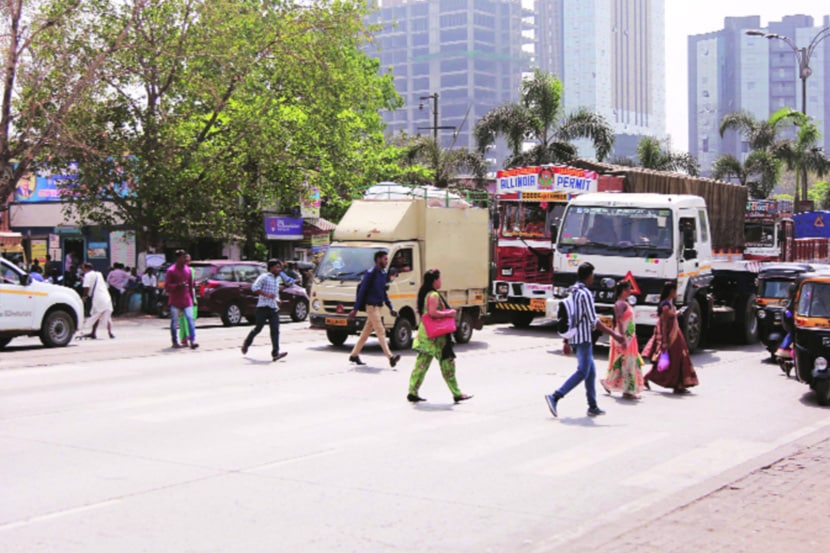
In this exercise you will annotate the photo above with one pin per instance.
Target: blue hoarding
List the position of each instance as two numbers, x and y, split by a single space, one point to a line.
284 228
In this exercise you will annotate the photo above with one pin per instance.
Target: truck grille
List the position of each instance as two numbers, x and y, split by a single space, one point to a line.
521 265
331 306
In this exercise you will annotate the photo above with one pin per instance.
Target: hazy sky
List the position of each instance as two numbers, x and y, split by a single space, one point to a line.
691 17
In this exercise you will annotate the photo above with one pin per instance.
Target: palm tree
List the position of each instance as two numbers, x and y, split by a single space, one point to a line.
803 154
762 167
538 118
445 163
651 155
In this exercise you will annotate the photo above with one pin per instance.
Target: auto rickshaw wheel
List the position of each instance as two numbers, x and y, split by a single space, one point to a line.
822 388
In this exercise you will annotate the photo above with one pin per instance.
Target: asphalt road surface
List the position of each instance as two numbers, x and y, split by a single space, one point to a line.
127 445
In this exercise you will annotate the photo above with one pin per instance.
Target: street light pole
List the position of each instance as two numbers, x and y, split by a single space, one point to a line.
802 56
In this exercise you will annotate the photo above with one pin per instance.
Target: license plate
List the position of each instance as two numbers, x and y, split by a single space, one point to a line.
331 321
607 321
537 304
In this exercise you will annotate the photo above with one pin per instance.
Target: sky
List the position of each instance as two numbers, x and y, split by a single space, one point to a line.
691 17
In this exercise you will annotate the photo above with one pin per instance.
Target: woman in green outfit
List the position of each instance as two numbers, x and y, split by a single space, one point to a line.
430 301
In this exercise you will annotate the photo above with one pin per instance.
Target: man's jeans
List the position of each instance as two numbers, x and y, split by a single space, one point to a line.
271 316
175 312
585 370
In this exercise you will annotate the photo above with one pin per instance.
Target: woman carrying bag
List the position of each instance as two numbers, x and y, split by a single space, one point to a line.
434 338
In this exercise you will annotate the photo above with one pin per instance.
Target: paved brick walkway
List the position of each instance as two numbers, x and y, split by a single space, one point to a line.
782 508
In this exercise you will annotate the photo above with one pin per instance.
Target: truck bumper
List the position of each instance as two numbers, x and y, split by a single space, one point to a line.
338 322
518 304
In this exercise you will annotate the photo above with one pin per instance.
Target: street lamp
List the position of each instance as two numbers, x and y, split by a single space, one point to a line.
802 56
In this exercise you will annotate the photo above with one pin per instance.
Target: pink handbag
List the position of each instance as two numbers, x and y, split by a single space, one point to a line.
438 327
664 361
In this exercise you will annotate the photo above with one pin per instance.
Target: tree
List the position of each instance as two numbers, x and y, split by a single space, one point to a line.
220 109
445 163
761 169
651 155
803 154
538 118
52 55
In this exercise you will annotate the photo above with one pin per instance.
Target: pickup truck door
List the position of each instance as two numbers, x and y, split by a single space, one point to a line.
688 241
17 302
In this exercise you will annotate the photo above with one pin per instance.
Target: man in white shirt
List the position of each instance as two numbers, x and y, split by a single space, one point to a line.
148 290
95 287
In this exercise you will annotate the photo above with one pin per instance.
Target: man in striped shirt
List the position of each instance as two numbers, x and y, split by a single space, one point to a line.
584 321
267 287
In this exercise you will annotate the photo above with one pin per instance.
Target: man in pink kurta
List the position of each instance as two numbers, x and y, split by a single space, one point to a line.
178 282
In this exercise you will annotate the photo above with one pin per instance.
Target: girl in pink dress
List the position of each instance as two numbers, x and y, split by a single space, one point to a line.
625 372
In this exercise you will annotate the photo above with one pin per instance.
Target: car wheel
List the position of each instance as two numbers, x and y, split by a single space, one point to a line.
300 311
401 337
4 342
336 337
58 329
232 315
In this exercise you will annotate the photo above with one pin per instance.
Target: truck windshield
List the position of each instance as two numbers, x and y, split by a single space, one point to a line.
814 300
625 231
529 220
759 234
347 262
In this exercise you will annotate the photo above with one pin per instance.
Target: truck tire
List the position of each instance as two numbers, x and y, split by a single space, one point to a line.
693 327
57 329
523 320
401 336
747 327
336 337
4 342
464 330
822 388
232 315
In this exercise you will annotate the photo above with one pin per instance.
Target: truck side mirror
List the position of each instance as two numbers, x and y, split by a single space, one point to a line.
26 279
688 238
554 230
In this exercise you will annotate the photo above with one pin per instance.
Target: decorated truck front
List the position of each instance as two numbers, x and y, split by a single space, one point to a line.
529 202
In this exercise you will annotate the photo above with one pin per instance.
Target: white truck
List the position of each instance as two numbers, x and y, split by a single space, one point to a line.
649 239
32 308
417 235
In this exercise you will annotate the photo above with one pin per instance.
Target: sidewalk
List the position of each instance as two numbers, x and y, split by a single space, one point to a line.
784 507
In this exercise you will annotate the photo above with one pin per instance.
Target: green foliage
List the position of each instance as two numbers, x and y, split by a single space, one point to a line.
538 118
819 194
651 155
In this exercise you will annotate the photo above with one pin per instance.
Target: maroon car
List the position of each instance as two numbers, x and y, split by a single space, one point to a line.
224 287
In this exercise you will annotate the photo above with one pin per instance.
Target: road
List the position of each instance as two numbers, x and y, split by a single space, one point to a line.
126 445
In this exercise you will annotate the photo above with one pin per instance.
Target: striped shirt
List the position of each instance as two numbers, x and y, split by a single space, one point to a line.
270 284
585 316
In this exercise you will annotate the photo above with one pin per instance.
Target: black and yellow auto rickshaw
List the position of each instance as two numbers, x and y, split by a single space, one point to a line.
812 333
774 284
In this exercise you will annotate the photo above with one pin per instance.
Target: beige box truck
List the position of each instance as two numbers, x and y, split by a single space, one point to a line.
416 237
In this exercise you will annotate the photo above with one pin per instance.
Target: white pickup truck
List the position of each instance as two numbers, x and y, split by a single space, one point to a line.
32 308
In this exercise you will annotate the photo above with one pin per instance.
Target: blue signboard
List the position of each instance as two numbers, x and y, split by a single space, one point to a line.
284 228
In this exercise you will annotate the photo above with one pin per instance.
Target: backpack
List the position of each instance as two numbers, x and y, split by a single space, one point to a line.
371 276
565 316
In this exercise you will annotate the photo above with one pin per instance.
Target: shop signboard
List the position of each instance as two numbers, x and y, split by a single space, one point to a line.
284 228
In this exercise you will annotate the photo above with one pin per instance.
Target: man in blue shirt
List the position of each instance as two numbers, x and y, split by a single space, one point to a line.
267 287
371 296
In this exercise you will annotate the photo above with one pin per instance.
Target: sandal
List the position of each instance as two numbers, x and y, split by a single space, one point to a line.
462 397
605 386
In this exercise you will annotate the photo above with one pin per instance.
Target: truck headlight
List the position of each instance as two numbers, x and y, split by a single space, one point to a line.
502 288
653 299
762 314
560 291
315 305
820 364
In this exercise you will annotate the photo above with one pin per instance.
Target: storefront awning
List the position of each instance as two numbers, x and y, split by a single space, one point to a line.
320 224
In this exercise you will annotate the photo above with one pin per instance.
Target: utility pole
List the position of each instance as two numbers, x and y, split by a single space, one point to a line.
434 128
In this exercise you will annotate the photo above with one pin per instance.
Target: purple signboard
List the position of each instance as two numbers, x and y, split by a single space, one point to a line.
283 228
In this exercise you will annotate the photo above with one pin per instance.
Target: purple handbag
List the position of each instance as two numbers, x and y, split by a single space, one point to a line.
438 327
663 362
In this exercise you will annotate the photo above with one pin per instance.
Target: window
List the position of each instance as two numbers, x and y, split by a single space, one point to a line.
448 66
402 261
224 273
247 273
704 227
459 79
814 300
454 35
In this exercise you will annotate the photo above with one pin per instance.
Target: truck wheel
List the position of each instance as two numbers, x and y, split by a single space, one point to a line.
336 337
464 330
523 320
58 329
401 337
694 326
300 311
232 315
747 321
4 342
822 388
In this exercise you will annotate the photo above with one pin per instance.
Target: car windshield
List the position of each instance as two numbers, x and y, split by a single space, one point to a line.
758 234
346 262
777 289
530 220
814 300
624 231
200 272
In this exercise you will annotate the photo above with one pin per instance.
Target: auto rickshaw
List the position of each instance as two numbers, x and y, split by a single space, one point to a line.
812 333
774 283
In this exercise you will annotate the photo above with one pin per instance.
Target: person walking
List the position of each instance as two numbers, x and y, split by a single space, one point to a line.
184 325
179 285
584 320
680 375
267 287
371 296
95 289
625 373
430 303
148 290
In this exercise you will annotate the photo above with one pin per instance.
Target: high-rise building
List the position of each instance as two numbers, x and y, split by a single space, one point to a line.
469 52
731 71
610 56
